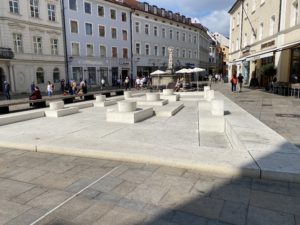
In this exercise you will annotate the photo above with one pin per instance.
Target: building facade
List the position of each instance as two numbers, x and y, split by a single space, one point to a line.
265 32
155 29
224 49
31 44
98 40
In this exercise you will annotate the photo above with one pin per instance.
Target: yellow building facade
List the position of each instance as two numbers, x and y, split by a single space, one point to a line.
265 32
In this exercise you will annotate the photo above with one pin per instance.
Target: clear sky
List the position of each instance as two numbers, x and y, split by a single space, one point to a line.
211 13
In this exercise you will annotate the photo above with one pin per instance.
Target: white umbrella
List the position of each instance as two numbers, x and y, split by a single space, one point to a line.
158 72
196 70
183 71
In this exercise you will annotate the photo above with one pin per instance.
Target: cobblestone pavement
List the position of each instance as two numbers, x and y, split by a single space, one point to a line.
281 113
39 188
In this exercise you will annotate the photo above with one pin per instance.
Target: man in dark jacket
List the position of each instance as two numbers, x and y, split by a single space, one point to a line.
6 90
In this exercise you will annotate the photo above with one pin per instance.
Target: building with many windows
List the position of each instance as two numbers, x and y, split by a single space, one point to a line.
98 40
155 29
265 32
31 43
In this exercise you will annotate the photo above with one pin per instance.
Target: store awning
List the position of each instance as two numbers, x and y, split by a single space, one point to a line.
260 56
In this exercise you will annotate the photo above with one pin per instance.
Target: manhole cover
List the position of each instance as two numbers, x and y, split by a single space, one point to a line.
266 105
287 115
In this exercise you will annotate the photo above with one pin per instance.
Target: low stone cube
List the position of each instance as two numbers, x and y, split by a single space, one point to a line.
127 94
126 106
210 95
152 96
56 105
100 98
206 89
171 98
168 91
217 107
61 112
129 117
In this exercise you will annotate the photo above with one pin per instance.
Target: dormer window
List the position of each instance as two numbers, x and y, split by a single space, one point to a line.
183 19
170 14
155 9
163 12
146 7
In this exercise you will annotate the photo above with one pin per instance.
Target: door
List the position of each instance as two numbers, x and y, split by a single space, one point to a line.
114 76
124 75
2 79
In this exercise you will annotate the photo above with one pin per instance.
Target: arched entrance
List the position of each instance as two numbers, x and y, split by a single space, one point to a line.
2 79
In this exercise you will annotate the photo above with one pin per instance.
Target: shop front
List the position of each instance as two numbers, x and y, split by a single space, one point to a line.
295 66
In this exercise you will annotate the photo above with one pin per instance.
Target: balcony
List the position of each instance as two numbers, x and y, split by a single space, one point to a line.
6 53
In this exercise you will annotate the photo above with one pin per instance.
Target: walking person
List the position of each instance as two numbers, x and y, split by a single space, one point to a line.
234 82
32 87
240 79
102 83
126 83
62 86
49 89
7 90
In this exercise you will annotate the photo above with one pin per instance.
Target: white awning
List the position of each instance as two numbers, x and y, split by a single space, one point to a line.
260 56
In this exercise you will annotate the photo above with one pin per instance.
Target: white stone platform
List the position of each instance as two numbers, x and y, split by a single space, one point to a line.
57 109
102 102
169 110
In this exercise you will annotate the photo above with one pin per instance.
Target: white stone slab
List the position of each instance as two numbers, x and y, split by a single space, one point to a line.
56 105
100 98
171 98
80 105
168 91
126 106
129 117
168 110
153 103
105 104
151 97
21 116
127 94
217 107
61 112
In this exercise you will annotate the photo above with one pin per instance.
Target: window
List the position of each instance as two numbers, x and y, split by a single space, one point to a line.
195 39
89 50
87 8
253 5
177 53
147 49
54 46
137 27
137 48
163 32
171 34
34 8
183 53
75 49
163 51
155 31
124 35
147 29
113 14
100 10
14 6
74 27
190 38
261 29
101 31
190 54
56 75
88 29
238 19
77 73
18 44
294 13
114 52
177 35
92 75
113 33
156 50
232 23
246 10
272 25
51 12
124 17
245 40
195 55
72 4
125 53
183 37
102 51
37 45
40 76
237 44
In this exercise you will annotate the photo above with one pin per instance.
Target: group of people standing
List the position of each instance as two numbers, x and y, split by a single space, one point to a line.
237 81
143 82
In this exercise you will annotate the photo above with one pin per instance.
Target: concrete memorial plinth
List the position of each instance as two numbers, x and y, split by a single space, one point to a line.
210 95
205 90
169 95
153 99
127 94
217 107
56 109
127 112
102 102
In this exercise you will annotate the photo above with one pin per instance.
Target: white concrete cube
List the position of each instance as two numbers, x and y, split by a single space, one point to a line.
168 91
56 105
152 96
217 107
127 94
100 98
126 106
210 95
206 88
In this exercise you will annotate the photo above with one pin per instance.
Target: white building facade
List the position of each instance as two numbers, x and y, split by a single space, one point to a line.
31 44
98 40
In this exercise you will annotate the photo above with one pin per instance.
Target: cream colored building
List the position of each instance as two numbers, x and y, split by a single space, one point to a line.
265 32
32 30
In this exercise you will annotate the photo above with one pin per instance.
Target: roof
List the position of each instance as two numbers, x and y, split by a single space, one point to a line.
234 6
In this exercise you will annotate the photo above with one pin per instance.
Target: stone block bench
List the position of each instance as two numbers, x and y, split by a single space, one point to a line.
169 110
21 116
4 105
57 109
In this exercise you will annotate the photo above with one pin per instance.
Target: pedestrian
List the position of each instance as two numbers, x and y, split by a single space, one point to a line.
137 83
126 83
7 90
240 79
49 89
62 86
234 82
102 83
32 87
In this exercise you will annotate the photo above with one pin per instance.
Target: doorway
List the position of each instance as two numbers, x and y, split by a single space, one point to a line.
124 75
114 77
2 79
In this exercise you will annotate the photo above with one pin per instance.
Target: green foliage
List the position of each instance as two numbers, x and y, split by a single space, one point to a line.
268 70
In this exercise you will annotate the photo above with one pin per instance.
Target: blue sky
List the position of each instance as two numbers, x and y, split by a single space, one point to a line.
211 13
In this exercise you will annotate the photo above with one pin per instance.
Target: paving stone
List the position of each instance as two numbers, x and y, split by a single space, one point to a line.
175 198
90 193
79 185
259 216
10 210
294 189
24 197
131 204
270 186
243 182
135 175
205 207
27 217
56 166
108 197
107 184
232 193
187 218
234 213
10 188
216 222
49 199
28 175
170 171
204 187
10 171
124 188
297 218
158 221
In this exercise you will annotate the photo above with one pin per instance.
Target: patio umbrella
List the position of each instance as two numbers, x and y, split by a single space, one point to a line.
158 72
197 69
183 71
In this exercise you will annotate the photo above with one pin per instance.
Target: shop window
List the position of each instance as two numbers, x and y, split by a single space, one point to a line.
40 76
56 75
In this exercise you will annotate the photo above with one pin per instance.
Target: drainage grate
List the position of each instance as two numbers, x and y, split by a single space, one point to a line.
287 115
266 105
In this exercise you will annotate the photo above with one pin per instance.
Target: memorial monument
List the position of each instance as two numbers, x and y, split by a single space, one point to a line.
168 79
